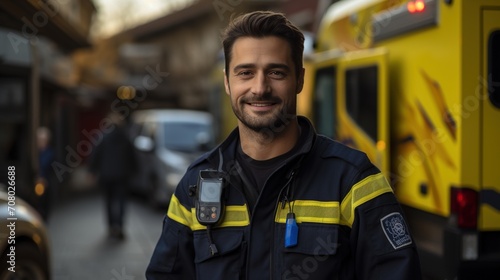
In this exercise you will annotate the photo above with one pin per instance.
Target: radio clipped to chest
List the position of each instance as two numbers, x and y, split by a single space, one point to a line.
209 197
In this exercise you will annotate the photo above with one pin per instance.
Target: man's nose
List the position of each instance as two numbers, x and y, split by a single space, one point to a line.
260 85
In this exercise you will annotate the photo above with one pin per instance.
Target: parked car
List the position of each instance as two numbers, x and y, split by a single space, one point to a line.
24 243
167 142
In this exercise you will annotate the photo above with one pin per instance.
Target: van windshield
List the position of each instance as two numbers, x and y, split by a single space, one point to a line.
187 137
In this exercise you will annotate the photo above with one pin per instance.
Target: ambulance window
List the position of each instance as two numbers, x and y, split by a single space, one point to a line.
324 101
361 98
494 68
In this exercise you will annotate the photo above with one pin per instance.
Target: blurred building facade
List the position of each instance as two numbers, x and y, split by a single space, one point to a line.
171 57
38 85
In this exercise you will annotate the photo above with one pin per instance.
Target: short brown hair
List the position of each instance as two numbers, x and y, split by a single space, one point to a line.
261 24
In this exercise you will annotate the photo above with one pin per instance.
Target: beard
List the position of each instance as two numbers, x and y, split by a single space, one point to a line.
274 121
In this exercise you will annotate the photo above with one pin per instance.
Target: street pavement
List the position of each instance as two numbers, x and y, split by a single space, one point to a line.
81 248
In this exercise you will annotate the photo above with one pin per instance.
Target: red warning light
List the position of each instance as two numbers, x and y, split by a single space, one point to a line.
415 6
420 5
464 204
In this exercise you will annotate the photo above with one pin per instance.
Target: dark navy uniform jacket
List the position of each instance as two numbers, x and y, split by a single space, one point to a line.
350 225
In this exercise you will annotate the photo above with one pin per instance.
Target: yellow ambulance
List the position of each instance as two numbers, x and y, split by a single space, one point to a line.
416 85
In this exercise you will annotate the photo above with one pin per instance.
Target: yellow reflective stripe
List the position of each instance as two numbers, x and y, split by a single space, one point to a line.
329 212
179 213
196 225
365 190
234 216
310 211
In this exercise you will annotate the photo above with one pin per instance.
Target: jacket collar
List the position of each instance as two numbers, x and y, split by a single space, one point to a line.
223 156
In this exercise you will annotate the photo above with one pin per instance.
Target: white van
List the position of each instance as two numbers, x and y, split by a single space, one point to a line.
167 141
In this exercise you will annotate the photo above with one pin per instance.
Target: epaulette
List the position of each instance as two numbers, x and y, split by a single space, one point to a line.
334 149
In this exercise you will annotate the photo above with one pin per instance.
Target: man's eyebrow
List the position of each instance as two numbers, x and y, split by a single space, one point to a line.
279 66
243 66
268 66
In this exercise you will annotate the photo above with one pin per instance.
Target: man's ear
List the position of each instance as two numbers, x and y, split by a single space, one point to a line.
226 83
300 81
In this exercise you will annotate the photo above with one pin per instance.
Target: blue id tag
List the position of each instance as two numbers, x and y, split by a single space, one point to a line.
292 231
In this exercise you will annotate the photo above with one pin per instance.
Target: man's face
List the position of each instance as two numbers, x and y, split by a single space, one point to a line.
262 82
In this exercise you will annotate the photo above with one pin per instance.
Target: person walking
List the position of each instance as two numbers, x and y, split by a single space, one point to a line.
113 163
276 200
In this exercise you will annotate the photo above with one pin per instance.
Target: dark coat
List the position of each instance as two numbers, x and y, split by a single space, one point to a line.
114 157
350 225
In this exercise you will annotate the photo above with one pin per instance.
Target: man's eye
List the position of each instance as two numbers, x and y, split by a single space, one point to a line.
244 73
277 74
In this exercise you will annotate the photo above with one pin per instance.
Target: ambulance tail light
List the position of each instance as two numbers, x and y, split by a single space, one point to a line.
464 204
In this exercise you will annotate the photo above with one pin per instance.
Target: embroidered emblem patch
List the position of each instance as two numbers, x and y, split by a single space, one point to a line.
395 230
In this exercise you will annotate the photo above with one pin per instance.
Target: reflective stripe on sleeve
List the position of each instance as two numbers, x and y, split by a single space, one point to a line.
333 212
179 213
363 191
234 215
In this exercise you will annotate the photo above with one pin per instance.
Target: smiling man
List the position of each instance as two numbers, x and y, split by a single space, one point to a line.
275 200
262 82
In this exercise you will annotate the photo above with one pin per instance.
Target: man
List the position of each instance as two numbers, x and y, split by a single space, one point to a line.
297 205
114 162
45 174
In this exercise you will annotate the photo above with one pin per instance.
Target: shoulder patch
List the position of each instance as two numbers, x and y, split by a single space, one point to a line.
395 230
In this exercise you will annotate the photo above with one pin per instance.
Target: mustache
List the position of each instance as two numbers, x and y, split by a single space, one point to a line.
270 99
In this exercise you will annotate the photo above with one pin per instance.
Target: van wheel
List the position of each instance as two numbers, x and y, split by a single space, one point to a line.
29 264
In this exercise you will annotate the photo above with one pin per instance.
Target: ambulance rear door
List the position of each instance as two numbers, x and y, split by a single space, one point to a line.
363 104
